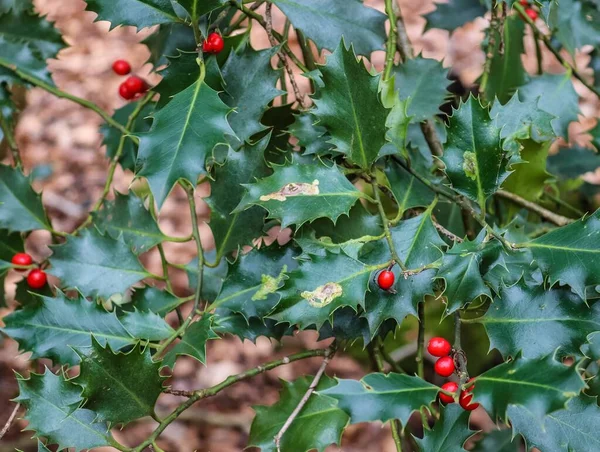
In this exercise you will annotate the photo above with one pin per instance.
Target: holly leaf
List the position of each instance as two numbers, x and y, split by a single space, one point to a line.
234 229
249 88
454 14
381 397
449 433
128 219
474 160
300 192
460 270
11 243
350 91
570 163
556 97
227 322
138 13
573 428
17 6
537 322
52 326
568 255
22 208
193 342
167 40
357 224
182 136
521 121
311 136
506 72
112 136
540 385
407 189
25 295
321 286
319 424
408 293
146 324
254 279
151 299
529 177
52 413
27 40
574 23
498 441
422 83
359 25
197 8
97 265
119 387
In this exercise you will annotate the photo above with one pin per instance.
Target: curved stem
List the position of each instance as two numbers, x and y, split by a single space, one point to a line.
386 227
391 43
546 214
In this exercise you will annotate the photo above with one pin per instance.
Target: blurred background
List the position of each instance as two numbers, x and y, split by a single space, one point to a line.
61 147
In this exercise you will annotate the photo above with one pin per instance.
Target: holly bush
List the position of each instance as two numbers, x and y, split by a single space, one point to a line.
405 201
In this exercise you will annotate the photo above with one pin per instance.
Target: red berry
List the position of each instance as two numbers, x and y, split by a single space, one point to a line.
121 67
36 279
214 43
125 92
465 400
438 346
450 387
135 84
21 259
444 366
386 279
524 3
532 13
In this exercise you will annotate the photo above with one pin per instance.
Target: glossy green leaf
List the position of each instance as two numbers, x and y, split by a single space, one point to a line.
227 322
474 160
556 97
235 229
569 255
573 162
349 92
311 136
297 193
138 13
449 433
127 218
17 6
167 40
359 25
460 270
11 243
529 177
498 441
407 189
151 299
320 286
52 413
20 206
357 224
417 241
422 82
249 88
193 342
454 14
381 397
572 428
254 279
26 296
96 265
50 328
541 386
119 387
506 72
182 136
146 324
537 322
197 8
575 23
519 121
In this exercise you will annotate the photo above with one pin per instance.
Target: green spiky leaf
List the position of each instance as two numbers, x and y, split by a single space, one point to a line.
381 397
97 265
349 92
454 14
360 26
119 387
151 299
449 433
575 23
297 193
407 189
311 136
193 342
138 13
319 424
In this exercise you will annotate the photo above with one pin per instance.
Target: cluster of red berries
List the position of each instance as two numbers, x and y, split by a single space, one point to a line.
532 13
36 279
133 87
444 366
213 43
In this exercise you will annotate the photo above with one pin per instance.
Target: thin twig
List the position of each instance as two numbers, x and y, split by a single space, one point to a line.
555 218
64 95
421 340
328 355
390 51
307 54
243 17
491 47
386 227
460 358
9 136
546 40
115 161
386 356
447 233
282 57
10 420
